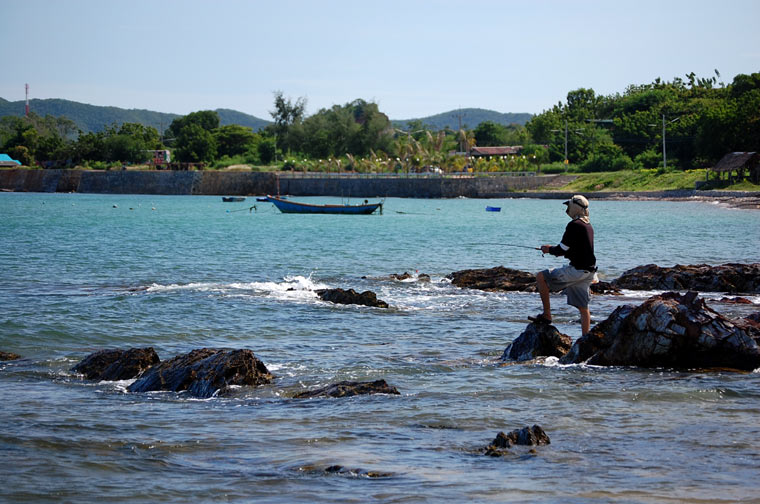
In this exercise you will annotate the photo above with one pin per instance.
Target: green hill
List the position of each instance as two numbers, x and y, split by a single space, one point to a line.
95 118
467 118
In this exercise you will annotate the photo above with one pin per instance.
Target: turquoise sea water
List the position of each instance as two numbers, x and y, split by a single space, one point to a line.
84 272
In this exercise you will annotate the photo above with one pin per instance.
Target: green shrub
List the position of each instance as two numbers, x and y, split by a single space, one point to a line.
558 167
650 158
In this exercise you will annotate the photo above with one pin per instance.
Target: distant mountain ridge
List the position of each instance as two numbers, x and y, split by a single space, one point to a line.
467 118
96 118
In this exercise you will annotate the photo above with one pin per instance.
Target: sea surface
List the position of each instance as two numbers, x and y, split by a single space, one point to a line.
83 272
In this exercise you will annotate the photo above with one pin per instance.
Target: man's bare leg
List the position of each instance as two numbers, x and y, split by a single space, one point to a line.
543 290
585 320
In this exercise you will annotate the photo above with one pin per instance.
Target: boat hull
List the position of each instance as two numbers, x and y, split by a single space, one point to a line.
287 206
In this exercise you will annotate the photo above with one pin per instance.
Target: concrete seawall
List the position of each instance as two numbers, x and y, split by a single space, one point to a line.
256 183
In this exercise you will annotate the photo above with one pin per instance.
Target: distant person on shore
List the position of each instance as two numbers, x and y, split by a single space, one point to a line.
574 279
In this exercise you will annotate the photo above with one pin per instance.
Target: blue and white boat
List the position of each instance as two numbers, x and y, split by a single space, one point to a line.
288 206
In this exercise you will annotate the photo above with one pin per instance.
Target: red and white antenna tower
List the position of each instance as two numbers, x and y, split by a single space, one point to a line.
27 100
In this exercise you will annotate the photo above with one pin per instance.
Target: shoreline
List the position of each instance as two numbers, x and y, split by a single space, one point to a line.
214 183
746 200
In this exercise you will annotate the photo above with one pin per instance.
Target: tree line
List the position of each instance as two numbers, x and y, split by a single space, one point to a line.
700 119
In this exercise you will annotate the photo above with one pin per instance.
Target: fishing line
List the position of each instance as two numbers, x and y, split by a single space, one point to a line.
243 209
510 245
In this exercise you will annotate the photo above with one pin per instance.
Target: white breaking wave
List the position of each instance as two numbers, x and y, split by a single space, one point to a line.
291 287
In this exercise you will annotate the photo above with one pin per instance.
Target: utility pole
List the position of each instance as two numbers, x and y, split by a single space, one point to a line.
26 111
557 131
664 155
566 160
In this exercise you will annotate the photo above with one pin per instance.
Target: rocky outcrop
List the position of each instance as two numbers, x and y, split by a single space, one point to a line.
494 279
734 278
350 296
669 330
606 288
6 356
538 340
527 436
204 373
420 277
348 389
114 364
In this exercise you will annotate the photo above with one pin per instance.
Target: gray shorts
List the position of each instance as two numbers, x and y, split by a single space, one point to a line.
575 283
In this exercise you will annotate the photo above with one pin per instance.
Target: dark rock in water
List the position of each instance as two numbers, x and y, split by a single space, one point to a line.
347 389
114 364
5 356
527 436
350 296
538 340
605 288
203 372
494 279
735 300
702 277
339 469
403 276
421 277
670 330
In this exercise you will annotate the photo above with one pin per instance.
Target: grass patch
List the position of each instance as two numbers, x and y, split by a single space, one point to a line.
636 180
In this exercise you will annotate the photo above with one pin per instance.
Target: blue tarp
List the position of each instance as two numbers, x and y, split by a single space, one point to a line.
6 158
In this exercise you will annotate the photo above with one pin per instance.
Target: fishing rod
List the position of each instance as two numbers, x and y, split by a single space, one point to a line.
513 245
510 245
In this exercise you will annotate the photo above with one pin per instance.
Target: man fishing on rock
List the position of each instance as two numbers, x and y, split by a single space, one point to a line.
574 279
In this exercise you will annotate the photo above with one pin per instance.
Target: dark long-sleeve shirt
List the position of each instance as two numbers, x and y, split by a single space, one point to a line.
577 245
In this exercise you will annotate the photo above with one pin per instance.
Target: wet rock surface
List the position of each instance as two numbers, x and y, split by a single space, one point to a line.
494 279
419 277
6 356
606 288
344 471
527 436
348 389
350 296
115 364
732 277
204 372
669 330
538 340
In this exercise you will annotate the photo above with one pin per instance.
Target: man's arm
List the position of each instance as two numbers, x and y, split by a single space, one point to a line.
557 250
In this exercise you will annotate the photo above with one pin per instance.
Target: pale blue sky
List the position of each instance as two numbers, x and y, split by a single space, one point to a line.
414 58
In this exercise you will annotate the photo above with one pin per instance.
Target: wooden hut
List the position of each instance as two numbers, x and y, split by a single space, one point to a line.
506 150
744 164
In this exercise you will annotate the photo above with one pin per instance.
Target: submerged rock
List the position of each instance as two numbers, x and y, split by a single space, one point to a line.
735 300
204 372
669 330
115 364
538 340
527 436
348 388
494 279
350 296
420 277
339 469
5 356
606 288
730 277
